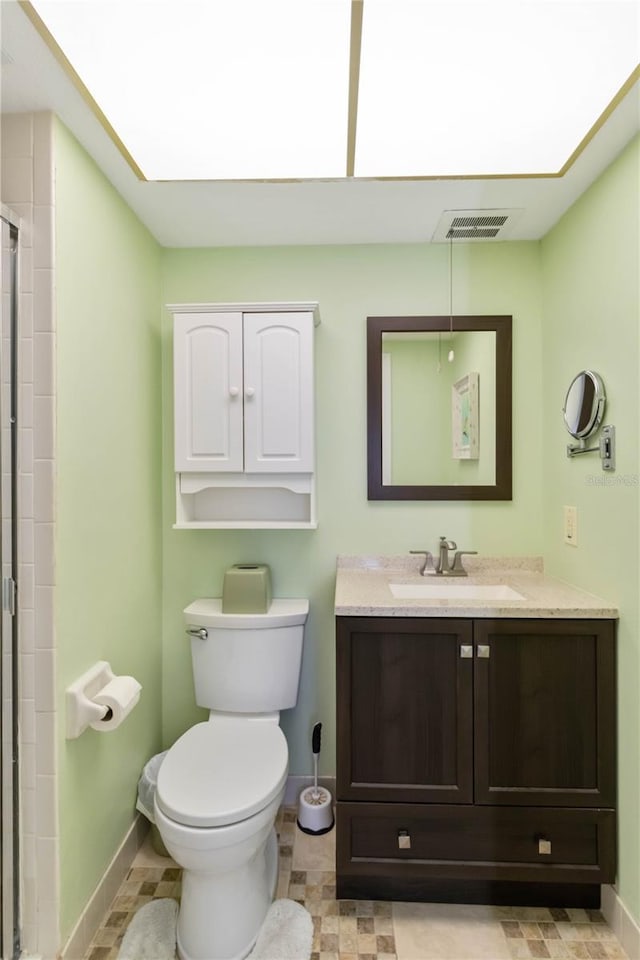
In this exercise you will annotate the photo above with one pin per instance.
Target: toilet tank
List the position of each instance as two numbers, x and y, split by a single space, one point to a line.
246 663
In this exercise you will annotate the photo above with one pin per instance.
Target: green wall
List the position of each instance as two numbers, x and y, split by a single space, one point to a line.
109 539
349 283
590 270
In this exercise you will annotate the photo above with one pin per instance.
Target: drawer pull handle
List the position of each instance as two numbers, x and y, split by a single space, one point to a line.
404 840
484 651
544 846
466 650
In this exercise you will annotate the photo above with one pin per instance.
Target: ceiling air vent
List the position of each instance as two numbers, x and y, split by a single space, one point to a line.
475 224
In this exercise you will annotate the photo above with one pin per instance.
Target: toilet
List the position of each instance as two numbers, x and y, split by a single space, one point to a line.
222 782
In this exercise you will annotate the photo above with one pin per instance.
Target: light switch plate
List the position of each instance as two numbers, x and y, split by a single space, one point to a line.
571 526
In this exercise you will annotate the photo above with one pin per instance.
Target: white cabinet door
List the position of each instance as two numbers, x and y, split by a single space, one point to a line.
278 392
208 391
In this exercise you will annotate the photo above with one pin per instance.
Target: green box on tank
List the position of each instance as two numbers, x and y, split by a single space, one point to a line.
247 588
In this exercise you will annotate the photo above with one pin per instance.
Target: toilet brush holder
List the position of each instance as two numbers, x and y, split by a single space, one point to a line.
315 810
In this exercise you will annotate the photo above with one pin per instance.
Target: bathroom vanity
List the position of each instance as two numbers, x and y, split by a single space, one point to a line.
475 735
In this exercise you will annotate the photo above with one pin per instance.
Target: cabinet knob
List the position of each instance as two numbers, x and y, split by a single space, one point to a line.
250 392
233 391
404 840
466 651
484 651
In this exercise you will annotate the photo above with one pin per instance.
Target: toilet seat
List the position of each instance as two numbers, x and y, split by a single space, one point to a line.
222 771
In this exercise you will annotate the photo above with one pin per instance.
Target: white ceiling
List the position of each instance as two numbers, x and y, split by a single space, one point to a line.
214 213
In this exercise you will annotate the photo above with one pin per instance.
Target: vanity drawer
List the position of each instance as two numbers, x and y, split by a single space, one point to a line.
510 843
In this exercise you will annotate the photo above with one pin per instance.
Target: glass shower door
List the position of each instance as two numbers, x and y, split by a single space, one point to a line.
9 797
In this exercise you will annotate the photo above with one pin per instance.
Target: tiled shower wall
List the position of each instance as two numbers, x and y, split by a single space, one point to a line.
28 190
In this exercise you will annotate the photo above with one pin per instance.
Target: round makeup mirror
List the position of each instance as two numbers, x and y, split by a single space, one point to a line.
584 404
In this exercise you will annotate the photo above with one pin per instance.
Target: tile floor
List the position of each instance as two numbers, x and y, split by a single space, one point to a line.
374 930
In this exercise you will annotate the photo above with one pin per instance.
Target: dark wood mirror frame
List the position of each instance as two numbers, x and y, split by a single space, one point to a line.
501 490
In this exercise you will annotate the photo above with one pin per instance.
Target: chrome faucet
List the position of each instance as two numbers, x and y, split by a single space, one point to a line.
445 567
444 564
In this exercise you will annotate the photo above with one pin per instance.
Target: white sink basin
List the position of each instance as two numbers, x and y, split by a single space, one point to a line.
453 591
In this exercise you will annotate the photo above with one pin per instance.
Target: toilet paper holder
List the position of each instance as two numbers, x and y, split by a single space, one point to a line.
82 709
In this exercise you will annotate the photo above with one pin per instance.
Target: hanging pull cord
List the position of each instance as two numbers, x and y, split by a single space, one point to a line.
451 354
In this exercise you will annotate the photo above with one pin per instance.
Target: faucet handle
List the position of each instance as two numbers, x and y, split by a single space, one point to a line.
428 560
457 561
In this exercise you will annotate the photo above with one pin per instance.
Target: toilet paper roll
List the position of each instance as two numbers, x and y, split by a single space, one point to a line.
120 696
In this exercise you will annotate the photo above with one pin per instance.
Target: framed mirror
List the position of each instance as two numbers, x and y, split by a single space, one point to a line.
439 428
584 404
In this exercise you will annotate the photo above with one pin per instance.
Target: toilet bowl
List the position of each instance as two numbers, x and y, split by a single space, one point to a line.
218 794
221 783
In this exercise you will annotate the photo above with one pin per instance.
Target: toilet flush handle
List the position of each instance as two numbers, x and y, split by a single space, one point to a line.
199 632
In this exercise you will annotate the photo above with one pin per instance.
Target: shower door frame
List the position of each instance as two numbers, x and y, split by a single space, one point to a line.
10 938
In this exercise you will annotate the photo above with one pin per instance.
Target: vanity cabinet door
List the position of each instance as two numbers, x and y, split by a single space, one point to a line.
545 712
404 701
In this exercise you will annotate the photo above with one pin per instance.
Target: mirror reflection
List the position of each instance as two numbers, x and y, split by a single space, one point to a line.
439 408
438 416
584 404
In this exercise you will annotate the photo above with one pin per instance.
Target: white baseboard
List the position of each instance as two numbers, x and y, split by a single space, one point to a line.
296 784
96 909
621 922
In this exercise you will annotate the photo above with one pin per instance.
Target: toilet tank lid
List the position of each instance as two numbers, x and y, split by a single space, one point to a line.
281 613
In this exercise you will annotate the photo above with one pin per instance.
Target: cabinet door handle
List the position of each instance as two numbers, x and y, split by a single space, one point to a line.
544 845
250 392
234 391
466 650
404 840
484 651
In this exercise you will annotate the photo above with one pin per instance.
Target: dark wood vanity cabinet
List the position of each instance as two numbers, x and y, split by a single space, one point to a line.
405 710
476 759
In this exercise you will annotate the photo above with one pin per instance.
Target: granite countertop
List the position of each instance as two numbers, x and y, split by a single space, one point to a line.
362 590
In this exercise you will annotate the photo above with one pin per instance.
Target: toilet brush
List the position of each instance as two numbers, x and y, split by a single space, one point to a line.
315 809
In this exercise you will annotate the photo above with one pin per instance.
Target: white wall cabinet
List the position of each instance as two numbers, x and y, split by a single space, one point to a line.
244 414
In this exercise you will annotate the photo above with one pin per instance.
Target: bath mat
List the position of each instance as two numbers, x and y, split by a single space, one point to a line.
286 934
151 935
